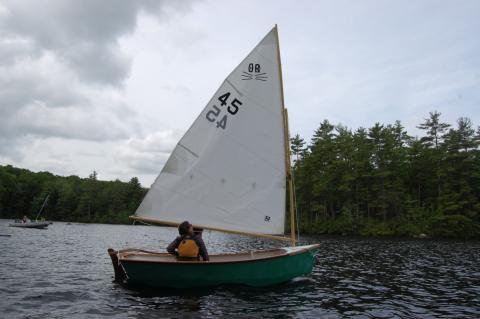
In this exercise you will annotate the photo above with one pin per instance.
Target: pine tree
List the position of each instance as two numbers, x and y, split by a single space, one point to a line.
297 146
435 130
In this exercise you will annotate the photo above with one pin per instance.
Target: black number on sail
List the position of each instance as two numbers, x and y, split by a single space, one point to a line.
223 98
254 67
212 114
254 72
233 108
222 123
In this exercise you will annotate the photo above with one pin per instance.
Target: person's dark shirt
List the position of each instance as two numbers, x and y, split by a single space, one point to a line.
202 250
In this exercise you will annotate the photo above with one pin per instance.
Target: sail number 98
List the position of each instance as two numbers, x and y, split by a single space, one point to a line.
232 108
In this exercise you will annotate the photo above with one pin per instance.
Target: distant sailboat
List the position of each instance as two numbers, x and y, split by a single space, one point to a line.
229 172
33 223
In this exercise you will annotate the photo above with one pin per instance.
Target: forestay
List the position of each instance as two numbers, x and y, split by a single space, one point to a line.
228 170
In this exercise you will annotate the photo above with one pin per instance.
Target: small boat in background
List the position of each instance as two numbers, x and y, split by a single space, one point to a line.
30 224
27 223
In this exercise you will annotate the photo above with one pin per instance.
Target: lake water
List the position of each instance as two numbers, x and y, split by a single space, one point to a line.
65 272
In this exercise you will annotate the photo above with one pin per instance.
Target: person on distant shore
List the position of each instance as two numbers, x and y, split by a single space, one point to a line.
188 246
24 219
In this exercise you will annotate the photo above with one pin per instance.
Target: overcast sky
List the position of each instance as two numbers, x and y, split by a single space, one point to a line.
112 85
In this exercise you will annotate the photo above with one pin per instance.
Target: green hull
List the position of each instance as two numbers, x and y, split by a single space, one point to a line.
260 272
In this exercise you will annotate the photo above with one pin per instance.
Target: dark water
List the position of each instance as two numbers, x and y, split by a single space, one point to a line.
65 272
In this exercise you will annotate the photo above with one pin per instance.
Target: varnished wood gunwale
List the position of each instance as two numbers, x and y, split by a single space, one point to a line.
124 256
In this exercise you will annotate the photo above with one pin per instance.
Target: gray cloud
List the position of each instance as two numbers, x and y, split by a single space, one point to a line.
62 69
82 34
148 154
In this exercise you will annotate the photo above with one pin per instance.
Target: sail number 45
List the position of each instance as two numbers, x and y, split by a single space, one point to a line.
232 108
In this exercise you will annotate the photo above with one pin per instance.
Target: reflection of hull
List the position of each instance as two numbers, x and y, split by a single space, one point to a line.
259 268
31 224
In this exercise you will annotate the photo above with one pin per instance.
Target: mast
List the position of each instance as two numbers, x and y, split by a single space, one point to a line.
43 205
288 167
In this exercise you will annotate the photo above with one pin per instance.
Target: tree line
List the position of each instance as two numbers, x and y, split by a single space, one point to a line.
71 198
370 181
383 181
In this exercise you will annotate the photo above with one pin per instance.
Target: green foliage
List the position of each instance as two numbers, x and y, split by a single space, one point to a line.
71 198
454 226
380 181
376 228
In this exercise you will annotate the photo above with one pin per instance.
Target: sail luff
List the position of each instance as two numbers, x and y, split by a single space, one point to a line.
288 167
169 223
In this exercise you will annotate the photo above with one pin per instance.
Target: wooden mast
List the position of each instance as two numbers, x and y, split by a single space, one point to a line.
288 167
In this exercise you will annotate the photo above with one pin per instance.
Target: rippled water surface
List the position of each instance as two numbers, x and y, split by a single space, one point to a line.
65 272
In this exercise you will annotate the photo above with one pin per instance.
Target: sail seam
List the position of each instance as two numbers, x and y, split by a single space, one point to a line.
188 150
234 87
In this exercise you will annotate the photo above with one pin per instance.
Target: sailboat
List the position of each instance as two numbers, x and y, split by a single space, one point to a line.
230 172
26 223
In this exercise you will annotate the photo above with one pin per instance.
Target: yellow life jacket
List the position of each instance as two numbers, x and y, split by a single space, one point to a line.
188 248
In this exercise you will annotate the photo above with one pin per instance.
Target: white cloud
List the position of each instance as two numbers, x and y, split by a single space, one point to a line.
147 155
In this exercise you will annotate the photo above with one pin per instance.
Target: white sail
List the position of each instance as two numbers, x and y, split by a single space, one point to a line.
228 170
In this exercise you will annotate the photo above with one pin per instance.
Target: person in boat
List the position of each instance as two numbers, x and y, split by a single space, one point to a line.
189 245
198 231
